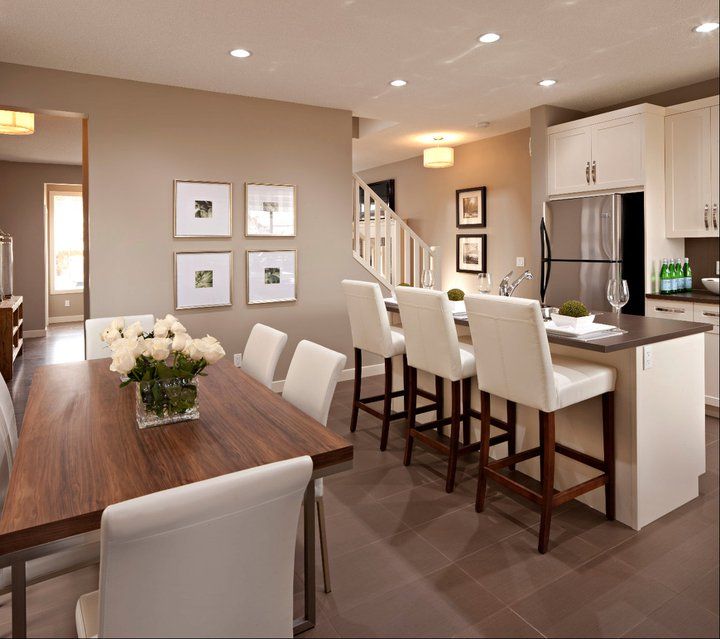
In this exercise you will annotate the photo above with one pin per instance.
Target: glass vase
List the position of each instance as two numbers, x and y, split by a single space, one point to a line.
166 401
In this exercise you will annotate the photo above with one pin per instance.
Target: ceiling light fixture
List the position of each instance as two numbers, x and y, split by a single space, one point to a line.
17 123
398 83
547 83
488 38
438 157
240 53
706 27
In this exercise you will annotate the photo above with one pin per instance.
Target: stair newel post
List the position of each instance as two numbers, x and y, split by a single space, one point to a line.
435 267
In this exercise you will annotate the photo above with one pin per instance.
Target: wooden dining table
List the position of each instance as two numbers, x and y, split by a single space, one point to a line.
80 450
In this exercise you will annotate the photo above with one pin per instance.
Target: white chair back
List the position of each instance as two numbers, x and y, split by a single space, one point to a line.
431 339
210 559
262 352
311 379
8 438
95 348
369 321
512 353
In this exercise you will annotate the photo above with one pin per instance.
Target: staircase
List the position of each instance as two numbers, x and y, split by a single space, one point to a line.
385 245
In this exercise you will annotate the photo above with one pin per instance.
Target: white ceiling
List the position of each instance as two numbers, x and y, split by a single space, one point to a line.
56 140
342 53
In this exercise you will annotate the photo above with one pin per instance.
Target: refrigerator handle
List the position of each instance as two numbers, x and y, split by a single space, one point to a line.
617 227
545 262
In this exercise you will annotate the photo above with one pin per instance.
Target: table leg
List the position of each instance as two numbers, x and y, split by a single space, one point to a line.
308 621
19 618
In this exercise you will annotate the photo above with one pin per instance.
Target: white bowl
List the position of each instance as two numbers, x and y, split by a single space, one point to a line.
712 284
458 307
565 320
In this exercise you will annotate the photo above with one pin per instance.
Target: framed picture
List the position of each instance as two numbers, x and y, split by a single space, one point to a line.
471 253
271 276
470 207
203 209
203 279
270 210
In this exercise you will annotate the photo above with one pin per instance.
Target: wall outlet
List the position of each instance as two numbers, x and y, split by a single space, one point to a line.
519 261
237 359
67 302
648 359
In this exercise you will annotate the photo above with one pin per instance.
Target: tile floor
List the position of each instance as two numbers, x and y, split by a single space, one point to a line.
409 560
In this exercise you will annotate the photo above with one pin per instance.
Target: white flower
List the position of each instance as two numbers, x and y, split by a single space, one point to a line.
109 335
176 328
180 341
170 318
158 348
211 349
118 323
162 328
123 358
193 350
134 330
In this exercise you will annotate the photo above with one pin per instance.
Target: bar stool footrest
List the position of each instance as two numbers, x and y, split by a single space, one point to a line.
513 459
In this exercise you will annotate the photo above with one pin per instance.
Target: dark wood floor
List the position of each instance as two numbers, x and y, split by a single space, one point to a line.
409 560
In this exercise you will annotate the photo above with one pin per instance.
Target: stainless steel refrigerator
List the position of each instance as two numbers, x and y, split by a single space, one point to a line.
585 241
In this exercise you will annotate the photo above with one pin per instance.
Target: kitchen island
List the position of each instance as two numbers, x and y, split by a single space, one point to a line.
659 415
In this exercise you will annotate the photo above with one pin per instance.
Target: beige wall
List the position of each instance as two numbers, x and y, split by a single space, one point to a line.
22 214
57 308
426 199
142 136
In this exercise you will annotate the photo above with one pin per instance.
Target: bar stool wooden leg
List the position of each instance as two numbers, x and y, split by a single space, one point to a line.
454 438
406 381
387 404
356 390
412 400
466 390
511 422
608 412
440 395
547 429
484 450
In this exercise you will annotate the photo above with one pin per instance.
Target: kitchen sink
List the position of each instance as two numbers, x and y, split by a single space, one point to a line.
712 284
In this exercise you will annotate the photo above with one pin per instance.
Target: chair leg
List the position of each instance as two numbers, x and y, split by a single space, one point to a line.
511 422
608 412
323 543
466 390
484 450
440 395
387 404
412 400
406 381
356 390
547 428
454 438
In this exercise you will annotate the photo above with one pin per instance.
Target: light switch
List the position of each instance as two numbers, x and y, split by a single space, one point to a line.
67 302
647 357
519 261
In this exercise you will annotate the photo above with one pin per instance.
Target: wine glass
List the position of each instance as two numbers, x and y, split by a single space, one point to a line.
618 295
428 279
484 283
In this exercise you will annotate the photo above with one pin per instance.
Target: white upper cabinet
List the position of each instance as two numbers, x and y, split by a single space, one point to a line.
569 161
617 153
691 173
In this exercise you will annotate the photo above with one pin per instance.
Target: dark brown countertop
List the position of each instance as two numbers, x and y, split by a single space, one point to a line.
640 331
703 297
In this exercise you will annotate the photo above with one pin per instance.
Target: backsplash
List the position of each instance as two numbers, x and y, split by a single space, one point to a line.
703 253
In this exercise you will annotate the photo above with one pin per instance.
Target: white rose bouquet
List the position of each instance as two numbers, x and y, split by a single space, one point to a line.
164 362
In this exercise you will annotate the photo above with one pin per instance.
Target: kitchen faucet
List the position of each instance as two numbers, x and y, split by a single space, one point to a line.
507 288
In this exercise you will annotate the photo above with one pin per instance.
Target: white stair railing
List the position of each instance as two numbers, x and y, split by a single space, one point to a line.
385 245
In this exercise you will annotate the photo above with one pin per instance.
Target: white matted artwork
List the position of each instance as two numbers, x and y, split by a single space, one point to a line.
270 210
203 279
271 276
203 209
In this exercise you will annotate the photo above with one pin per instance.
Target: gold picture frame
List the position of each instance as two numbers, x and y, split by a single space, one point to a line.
267 186
257 292
177 272
186 223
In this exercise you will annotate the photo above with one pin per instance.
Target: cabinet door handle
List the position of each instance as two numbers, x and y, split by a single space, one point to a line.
665 309
587 172
707 225
594 172
710 314
714 216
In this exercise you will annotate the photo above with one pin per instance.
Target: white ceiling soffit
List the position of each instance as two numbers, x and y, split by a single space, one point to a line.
343 53
57 140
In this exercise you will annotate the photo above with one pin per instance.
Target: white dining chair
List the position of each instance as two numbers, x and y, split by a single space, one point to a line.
262 352
95 348
310 385
79 551
214 558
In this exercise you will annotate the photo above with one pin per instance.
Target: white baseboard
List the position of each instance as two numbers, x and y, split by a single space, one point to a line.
36 333
345 375
64 319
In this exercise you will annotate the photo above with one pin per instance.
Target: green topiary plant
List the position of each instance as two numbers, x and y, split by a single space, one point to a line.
573 308
456 295
405 284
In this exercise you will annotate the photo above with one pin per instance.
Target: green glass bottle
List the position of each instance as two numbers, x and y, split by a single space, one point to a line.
678 279
687 275
664 277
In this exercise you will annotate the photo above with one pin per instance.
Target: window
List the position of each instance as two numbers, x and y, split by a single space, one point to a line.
65 223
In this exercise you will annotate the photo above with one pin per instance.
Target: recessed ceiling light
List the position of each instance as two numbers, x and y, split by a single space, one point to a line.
240 53
706 27
547 83
487 38
398 83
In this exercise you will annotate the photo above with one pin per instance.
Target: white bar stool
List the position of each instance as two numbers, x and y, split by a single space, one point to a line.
433 346
516 364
